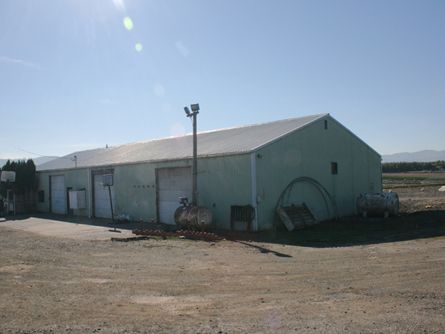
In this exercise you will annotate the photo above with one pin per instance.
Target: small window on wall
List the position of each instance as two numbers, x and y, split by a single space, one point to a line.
325 124
334 168
41 196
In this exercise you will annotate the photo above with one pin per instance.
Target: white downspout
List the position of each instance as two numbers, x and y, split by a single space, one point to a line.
90 194
253 198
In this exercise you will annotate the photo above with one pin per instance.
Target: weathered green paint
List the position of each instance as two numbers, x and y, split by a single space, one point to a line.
222 182
76 179
230 180
309 152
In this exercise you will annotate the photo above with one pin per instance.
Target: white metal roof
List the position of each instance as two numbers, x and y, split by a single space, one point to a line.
230 141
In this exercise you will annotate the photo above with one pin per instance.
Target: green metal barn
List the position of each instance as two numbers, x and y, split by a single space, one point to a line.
249 165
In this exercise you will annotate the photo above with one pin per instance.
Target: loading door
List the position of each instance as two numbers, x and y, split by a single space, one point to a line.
58 194
172 183
102 206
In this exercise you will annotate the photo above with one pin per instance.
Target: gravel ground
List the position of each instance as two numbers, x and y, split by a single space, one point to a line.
427 198
52 284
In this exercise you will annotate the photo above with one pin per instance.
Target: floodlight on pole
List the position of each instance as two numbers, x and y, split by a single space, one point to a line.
195 107
193 114
193 216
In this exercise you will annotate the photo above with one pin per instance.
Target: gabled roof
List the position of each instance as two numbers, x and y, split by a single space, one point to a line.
230 141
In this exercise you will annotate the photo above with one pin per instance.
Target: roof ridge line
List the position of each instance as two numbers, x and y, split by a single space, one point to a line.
222 129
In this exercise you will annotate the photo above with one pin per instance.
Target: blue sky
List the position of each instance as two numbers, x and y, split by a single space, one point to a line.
72 79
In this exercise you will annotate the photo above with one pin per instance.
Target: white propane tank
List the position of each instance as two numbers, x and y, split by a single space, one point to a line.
382 204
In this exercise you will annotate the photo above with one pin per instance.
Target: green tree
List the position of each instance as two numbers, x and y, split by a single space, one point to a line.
400 167
25 177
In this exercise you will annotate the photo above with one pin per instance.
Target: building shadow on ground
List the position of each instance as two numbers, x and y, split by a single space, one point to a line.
349 231
353 231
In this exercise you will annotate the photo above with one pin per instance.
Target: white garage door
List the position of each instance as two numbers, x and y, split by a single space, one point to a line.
58 194
172 183
102 207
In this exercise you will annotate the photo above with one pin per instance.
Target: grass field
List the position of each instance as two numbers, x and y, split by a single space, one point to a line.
412 179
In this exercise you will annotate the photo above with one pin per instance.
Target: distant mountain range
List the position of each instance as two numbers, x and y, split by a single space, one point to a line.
420 156
37 161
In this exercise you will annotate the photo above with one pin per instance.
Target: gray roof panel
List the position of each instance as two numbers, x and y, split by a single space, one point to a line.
236 140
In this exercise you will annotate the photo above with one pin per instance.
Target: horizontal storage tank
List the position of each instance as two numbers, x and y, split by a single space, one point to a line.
379 204
193 217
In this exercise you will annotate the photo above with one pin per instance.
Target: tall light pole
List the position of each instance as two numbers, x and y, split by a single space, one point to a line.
193 115
193 216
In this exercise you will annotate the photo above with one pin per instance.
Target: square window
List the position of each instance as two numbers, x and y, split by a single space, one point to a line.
334 168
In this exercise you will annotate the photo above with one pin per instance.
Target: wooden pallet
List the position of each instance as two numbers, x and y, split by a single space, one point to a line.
296 217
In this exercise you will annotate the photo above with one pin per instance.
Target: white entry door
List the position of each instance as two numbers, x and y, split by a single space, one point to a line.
172 183
102 205
58 194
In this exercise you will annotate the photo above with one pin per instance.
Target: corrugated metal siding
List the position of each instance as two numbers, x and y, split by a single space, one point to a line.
102 204
75 179
309 153
58 194
222 182
172 183
213 143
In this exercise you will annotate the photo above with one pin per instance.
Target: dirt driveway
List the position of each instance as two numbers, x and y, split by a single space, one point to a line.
51 284
70 227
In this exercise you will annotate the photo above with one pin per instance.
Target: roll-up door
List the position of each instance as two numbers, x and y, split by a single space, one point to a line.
58 194
102 205
172 183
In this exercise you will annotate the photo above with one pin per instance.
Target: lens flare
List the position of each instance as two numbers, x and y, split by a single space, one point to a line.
119 4
159 90
138 47
128 23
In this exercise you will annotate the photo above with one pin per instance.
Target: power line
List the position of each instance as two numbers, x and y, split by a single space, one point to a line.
40 155
43 156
